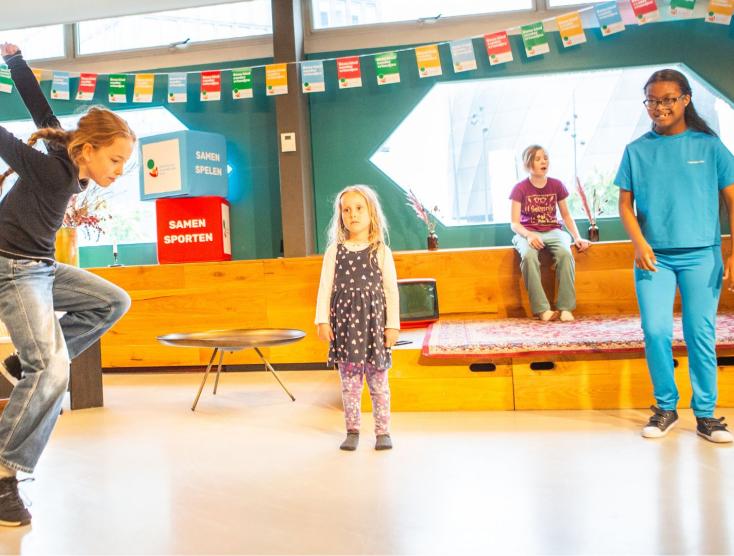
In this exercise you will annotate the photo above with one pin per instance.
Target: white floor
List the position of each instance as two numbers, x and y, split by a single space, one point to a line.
253 473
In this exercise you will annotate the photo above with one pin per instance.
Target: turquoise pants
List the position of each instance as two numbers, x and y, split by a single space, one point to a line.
697 274
558 243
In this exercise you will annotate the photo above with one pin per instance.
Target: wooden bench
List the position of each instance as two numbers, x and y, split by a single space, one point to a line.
281 293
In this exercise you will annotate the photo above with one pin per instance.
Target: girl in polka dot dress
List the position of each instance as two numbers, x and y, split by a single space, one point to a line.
357 310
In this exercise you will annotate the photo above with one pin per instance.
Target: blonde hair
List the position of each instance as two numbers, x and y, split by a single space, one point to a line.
99 127
378 234
529 154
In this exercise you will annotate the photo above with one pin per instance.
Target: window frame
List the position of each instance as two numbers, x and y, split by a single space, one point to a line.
165 49
308 18
64 40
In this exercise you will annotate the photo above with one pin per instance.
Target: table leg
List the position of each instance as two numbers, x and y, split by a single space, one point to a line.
219 370
269 368
203 380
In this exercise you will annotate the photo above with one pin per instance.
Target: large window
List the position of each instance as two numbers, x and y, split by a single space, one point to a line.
37 42
209 23
343 13
459 149
130 219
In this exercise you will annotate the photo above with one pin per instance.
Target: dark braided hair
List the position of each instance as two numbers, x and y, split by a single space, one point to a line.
692 118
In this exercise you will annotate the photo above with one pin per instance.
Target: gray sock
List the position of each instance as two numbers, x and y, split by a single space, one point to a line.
384 442
350 442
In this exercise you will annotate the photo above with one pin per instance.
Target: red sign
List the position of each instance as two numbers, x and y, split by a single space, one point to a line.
642 7
497 43
348 72
87 85
193 229
211 85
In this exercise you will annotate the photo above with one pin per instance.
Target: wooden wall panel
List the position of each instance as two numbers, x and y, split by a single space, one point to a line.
282 293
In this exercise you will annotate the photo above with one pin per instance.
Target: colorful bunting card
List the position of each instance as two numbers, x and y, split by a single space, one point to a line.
682 8
571 29
312 76
610 19
720 11
534 39
87 86
118 88
37 73
388 69
143 88
276 79
645 11
499 49
211 86
60 86
177 87
242 83
349 72
462 55
6 82
428 60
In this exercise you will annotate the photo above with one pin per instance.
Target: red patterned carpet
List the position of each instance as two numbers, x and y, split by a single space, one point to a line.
508 337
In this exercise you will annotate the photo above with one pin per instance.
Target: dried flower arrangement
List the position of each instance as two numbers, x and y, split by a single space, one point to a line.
429 217
87 211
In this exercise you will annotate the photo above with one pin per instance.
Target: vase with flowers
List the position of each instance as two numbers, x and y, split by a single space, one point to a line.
593 210
86 211
429 218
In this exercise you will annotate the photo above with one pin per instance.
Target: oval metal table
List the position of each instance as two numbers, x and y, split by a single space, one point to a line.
234 340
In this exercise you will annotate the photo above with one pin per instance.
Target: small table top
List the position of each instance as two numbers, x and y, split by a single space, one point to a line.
235 339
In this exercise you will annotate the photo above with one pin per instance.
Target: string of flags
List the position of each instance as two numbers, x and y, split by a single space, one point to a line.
387 68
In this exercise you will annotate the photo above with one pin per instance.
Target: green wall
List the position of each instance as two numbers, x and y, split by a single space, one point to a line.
347 126
250 129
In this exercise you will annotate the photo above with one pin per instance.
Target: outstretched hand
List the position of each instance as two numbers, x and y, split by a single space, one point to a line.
8 49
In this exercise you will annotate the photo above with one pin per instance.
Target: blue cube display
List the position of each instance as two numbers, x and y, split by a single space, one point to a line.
183 164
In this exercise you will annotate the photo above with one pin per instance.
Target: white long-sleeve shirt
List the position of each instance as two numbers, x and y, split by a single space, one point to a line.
389 283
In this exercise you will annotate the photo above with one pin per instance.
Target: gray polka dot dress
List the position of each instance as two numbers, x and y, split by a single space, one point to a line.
358 312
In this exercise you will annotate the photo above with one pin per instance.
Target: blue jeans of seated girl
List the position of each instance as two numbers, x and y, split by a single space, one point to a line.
30 294
558 243
697 274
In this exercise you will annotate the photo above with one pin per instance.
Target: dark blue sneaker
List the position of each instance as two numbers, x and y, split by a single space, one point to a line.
660 423
713 429
13 512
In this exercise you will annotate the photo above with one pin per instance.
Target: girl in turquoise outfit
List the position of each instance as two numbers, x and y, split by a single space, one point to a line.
670 181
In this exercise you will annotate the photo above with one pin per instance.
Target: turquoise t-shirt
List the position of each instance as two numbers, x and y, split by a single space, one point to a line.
675 180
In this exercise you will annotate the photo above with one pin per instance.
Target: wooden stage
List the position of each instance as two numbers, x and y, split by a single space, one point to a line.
282 293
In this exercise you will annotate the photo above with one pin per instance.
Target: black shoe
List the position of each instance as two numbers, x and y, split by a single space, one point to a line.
13 512
11 369
350 442
713 429
660 423
383 442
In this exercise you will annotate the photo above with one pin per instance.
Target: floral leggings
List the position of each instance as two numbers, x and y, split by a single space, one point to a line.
352 376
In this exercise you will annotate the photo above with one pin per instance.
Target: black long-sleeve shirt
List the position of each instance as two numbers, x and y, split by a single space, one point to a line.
33 210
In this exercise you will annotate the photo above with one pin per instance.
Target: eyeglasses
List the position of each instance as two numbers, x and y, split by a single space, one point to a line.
667 102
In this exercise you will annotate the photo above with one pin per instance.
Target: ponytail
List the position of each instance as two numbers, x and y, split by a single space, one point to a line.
692 118
52 135
99 127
